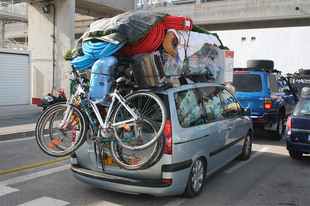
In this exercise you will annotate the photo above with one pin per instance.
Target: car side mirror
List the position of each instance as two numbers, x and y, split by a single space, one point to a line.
246 112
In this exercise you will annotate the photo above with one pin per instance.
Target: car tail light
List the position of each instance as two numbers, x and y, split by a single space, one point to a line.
268 103
166 180
289 124
74 162
168 137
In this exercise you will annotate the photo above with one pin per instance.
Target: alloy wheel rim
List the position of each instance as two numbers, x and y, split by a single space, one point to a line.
197 175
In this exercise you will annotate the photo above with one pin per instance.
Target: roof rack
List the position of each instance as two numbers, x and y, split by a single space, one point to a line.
258 69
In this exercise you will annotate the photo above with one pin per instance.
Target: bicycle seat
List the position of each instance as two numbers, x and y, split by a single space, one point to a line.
121 80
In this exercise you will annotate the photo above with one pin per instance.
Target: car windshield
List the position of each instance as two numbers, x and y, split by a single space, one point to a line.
302 108
247 82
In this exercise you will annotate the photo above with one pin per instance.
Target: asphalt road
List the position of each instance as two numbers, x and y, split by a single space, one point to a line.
270 177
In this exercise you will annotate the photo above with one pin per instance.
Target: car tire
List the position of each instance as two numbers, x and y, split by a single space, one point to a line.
278 134
247 148
295 154
196 179
260 64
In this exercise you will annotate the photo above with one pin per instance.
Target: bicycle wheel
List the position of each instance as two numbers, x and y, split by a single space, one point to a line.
59 142
49 108
137 159
141 133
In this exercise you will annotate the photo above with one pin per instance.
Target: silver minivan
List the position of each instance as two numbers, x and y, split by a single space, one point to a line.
206 129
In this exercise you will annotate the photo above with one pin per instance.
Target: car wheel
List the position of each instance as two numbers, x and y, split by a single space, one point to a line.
247 148
277 135
295 155
196 179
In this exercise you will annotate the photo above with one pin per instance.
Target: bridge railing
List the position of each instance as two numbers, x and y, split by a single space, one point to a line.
12 44
149 4
20 8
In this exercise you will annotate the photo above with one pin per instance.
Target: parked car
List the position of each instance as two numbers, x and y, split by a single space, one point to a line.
267 94
206 129
298 130
300 79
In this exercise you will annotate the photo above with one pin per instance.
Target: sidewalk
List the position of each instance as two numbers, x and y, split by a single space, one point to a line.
18 121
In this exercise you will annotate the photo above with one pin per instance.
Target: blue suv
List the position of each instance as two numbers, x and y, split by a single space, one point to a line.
268 94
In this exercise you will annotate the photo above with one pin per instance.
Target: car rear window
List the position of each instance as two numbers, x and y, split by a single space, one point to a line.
248 82
164 98
302 108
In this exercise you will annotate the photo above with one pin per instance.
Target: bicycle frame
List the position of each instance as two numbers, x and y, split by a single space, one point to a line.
104 125
114 95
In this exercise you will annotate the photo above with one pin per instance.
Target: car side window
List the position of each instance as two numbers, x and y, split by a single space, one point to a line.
273 83
232 107
189 108
212 103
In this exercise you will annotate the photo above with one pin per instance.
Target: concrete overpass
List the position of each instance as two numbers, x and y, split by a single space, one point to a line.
221 15
244 14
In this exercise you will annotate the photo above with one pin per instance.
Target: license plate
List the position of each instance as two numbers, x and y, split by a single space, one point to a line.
108 161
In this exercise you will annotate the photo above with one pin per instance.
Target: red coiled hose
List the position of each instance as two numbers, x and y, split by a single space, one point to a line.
178 23
148 43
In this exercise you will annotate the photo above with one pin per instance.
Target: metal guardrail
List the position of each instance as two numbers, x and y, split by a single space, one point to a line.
149 4
12 44
20 8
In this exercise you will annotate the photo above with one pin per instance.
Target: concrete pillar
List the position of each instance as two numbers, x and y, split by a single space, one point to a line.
51 35
2 31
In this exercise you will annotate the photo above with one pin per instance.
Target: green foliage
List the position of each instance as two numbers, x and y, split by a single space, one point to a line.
68 54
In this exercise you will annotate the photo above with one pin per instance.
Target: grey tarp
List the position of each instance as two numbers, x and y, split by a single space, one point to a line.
130 26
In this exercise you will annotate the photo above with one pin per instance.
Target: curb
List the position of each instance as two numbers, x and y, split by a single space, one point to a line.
16 135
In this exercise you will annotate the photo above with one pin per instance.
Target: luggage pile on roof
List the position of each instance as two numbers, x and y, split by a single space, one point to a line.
160 44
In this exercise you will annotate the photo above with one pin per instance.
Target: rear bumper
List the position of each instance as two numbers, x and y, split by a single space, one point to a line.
116 179
297 146
178 173
264 119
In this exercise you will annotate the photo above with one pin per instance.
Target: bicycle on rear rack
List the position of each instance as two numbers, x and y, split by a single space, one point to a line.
132 128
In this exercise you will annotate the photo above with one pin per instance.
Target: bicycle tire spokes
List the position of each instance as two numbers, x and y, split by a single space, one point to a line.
146 128
57 141
147 109
63 138
138 133
133 159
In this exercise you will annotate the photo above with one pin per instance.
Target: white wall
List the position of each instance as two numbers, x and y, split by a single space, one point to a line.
289 48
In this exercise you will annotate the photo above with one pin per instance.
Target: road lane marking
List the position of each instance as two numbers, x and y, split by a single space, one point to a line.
35 175
4 190
46 201
15 140
176 201
32 166
240 164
